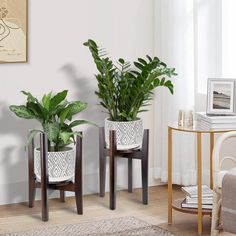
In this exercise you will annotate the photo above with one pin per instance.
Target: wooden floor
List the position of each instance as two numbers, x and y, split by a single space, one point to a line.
18 217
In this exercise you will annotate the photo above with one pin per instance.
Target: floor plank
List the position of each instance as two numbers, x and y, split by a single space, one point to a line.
18 217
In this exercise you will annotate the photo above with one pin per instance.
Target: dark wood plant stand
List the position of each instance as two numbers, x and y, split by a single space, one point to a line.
76 186
113 153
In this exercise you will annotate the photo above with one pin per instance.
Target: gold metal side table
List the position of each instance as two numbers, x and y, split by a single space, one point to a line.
176 205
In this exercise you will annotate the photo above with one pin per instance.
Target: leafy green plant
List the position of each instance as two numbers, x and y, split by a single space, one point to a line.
55 115
124 90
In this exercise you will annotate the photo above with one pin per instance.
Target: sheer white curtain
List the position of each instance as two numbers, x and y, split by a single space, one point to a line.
228 38
181 43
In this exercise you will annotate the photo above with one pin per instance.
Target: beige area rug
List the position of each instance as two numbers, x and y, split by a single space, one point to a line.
120 226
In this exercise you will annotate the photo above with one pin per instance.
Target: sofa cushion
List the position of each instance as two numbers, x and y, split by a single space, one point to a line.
221 175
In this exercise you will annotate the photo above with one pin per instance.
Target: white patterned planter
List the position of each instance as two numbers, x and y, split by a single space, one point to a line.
129 134
61 165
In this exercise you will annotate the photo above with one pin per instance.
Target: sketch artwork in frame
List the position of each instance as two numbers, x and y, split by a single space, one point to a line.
13 31
221 97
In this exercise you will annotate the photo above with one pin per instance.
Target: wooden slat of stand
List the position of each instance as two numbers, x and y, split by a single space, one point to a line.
44 175
69 186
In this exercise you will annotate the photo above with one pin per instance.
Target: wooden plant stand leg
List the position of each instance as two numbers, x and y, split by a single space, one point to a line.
145 166
44 175
112 169
79 176
62 196
102 162
31 175
130 174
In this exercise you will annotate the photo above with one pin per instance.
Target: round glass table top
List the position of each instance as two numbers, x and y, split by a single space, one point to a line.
197 129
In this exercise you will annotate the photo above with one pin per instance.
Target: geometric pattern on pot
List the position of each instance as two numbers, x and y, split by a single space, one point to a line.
129 134
61 165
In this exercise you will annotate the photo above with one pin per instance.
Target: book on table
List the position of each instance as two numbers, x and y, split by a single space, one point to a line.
216 119
205 200
192 191
191 200
206 125
195 206
205 121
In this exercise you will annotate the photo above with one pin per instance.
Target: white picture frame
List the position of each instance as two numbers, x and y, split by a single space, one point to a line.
221 97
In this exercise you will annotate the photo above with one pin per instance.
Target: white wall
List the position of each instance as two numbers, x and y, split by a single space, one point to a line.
58 60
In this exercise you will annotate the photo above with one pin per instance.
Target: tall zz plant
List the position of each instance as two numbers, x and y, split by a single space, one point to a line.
55 115
122 89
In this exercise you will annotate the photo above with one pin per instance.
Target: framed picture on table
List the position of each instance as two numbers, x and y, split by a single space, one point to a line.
221 97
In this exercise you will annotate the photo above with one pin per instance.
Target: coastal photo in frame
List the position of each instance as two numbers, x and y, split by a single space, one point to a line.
13 31
221 97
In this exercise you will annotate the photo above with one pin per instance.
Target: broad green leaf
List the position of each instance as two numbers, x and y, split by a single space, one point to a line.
65 136
22 112
61 144
30 97
77 107
61 107
65 113
31 136
35 108
46 101
58 98
52 131
80 122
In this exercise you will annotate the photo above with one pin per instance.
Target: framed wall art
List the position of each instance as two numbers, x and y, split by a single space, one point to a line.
13 31
221 97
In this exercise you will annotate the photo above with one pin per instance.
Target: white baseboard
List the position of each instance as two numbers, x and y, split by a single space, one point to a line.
18 192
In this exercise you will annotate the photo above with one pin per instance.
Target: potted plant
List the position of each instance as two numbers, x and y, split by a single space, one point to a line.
124 90
55 115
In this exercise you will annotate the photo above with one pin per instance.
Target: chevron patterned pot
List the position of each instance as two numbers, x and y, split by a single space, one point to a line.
61 165
129 134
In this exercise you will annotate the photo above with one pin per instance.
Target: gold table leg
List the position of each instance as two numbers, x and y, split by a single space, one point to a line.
169 175
199 180
211 160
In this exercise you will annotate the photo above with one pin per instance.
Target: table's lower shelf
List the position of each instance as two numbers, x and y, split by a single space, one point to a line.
176 205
